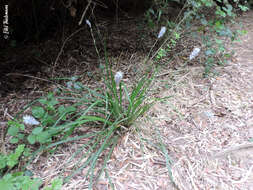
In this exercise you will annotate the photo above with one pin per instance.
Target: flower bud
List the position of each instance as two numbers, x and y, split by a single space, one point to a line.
118 77
88 23
162 32
194 53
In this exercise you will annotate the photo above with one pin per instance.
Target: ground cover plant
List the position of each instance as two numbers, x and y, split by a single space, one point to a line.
110 110
111 113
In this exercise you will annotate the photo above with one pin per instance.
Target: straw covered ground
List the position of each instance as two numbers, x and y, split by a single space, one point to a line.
205 128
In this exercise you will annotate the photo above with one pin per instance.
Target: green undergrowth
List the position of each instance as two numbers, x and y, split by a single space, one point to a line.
55 119
204 23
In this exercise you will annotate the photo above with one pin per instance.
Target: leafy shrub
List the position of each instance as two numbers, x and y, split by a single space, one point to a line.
12 159
49 114
206 22
18 181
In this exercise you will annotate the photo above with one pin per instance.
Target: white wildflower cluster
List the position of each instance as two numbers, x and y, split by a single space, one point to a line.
194 53
118 77
30 120
162 32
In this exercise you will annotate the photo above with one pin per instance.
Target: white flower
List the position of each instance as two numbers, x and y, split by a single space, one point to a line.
194 53
88 23
118 76
162 32
30 120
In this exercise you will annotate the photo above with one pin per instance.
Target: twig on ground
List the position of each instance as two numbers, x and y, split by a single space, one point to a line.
230 150
63 45
18 74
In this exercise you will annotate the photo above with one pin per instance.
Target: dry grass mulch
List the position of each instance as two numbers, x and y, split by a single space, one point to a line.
205 126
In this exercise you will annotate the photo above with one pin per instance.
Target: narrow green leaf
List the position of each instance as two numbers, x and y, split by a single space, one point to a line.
104 145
